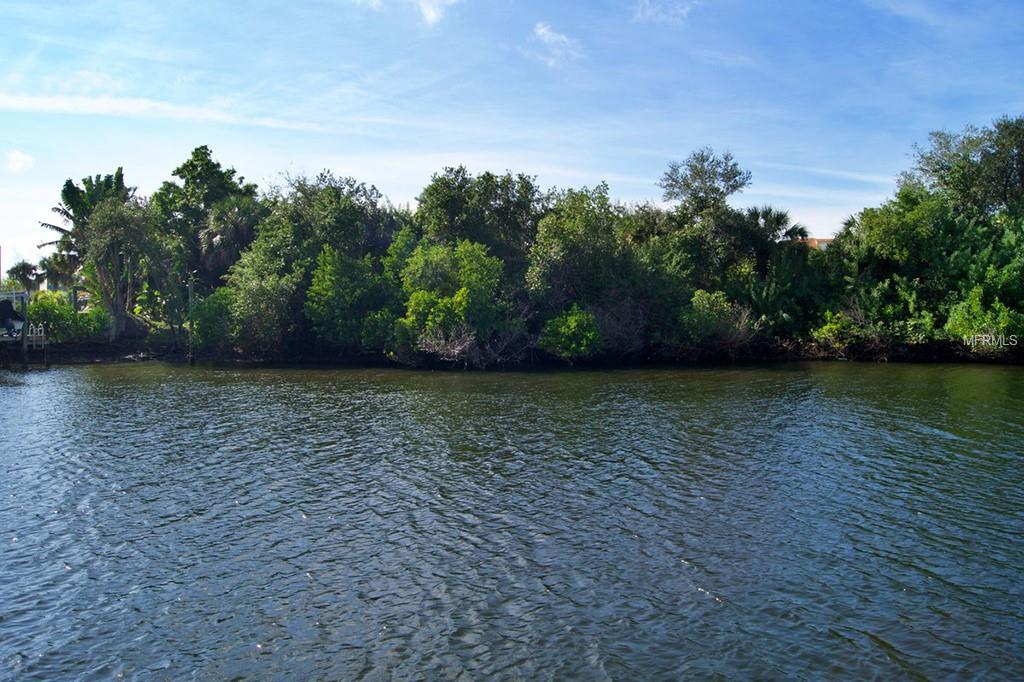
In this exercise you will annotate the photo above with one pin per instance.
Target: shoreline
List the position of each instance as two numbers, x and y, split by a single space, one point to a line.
101 353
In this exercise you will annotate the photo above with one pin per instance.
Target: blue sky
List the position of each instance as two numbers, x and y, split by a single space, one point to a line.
821 101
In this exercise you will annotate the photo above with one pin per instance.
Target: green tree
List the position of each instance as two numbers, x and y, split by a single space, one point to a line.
982 169
499 211
25 274
453 310
575 257
769 230
705 180
230 228
210 233
115 236
344 291
58 269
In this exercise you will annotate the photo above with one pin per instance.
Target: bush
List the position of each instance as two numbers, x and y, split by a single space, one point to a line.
573 335
92 324
262 301
846 330
971 320
838 332
453 309
712 318
378 332
53 310
342 292
213 324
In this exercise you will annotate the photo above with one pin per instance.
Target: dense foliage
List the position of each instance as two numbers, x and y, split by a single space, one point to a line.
492 270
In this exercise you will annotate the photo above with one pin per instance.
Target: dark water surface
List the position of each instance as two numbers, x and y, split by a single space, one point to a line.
822 521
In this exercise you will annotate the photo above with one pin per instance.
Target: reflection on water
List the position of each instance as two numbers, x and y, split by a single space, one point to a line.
814 521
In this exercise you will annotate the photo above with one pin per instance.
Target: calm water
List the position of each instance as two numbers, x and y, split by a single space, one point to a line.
799 522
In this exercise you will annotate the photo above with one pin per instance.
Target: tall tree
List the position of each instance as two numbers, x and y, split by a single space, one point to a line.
187 209
75 208
114 243
981 169
500 211
704 181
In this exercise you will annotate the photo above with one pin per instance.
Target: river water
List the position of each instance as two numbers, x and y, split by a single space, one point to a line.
805 521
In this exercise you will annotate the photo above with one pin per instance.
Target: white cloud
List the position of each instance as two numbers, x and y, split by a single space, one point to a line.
664 11
138 107
18 161
557 48
433 10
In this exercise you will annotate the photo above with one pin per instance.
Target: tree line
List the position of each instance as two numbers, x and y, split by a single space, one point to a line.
492 270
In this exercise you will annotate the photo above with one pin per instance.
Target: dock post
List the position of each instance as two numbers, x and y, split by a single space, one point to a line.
24 332
191 323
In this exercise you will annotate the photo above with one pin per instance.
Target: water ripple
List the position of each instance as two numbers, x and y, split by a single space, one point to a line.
797 522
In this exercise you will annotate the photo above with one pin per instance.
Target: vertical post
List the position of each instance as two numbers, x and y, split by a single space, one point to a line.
24 331
191 324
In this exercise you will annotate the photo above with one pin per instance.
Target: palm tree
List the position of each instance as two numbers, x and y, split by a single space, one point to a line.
58 270
77 204
767 228
25 274
230 228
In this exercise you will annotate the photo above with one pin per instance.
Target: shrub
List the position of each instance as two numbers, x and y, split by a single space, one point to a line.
378 332
63 325
213 324
712 318
342 292
971 319
838 332
54 311
92 324
573 335
453 308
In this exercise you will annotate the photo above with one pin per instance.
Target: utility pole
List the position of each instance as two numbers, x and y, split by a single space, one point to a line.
191 323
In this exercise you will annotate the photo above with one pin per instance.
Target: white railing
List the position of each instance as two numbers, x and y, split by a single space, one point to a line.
37 335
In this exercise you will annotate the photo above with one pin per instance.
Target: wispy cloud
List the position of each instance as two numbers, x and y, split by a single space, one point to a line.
432 11
814 195
914 10
139 107
18 161
866 178
556 49
664 11
726 58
